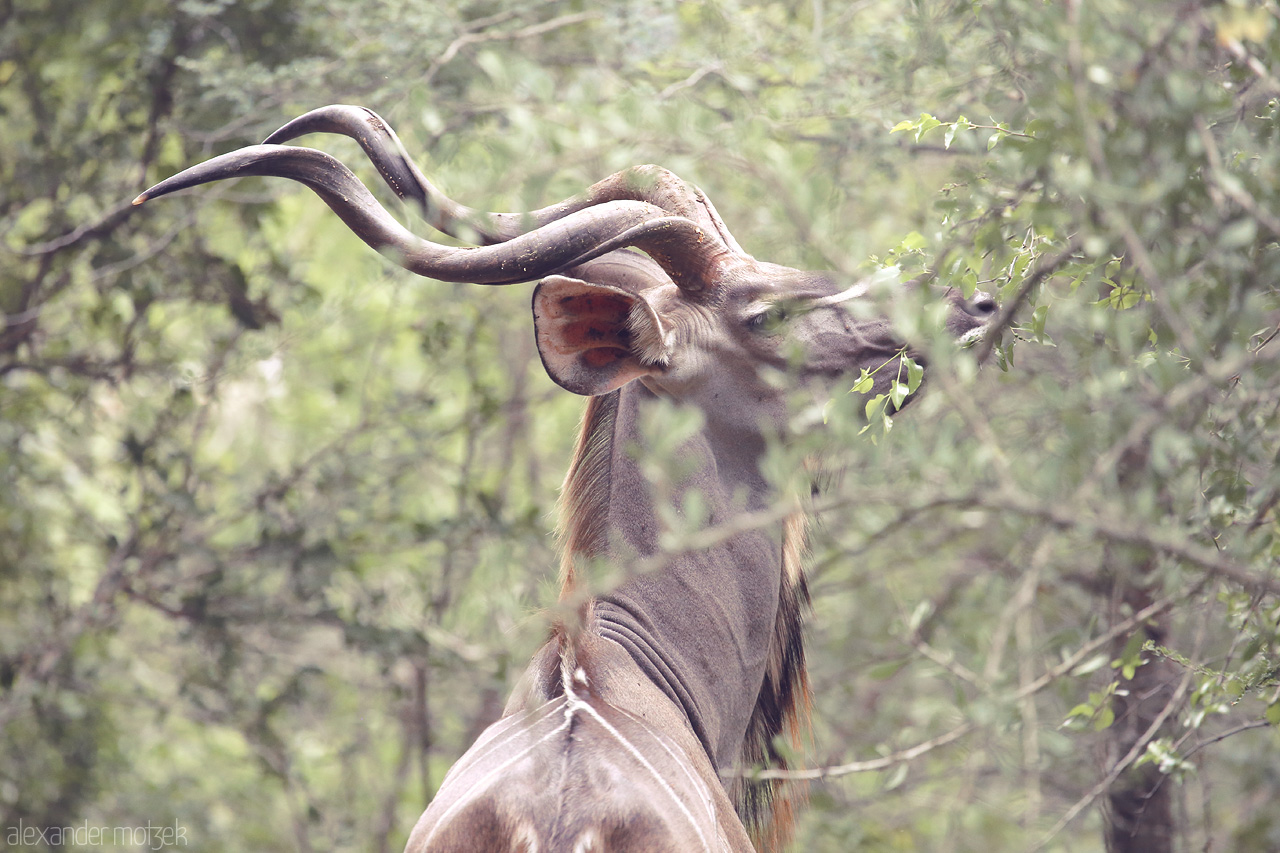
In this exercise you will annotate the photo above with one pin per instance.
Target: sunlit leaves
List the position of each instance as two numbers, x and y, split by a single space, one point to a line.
1240 22
899 377
1097 713
997 130
1163 754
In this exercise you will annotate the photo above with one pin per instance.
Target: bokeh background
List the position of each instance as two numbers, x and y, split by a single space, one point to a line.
275 516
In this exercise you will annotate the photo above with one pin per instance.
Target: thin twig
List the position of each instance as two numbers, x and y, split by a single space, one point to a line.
1045 267
1139 747
473 37
1024 692
882 763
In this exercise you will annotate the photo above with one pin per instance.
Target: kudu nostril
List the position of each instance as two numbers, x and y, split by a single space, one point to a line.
982 304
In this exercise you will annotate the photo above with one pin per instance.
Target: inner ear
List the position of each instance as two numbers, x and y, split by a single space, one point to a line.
593 338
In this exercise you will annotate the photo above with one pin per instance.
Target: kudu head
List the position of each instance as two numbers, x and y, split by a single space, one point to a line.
694 317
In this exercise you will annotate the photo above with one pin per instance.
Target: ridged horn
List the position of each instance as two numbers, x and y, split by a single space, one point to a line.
644 207
686 252
650 184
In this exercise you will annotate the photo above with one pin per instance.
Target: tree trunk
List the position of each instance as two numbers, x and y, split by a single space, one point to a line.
1138 812
1139 807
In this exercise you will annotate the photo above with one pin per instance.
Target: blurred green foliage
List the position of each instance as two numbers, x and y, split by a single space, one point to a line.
274 538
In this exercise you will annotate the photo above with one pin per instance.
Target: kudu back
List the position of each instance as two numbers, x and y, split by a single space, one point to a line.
694 664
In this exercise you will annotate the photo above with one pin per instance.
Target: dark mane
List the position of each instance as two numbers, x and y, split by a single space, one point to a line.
766 807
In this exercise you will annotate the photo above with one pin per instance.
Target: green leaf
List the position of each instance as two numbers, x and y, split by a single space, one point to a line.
898 393
912 242
1038 319
1084 709
1240 233
915 375
1091 665
925 124
921 611
1037 126
887 669
959 124
896 776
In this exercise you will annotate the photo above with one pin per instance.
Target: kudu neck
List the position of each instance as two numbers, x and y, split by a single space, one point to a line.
698 618
610 509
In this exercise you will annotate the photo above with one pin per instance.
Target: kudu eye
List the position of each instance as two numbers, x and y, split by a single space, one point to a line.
770 320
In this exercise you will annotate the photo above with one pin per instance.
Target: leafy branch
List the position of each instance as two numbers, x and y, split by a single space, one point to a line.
905 383
926 122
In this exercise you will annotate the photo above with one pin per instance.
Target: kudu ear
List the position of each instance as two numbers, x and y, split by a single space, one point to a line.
594 338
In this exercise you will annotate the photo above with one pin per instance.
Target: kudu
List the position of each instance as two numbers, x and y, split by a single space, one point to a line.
615 737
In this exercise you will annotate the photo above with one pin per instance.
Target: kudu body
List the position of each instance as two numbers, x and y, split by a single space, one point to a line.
643 693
